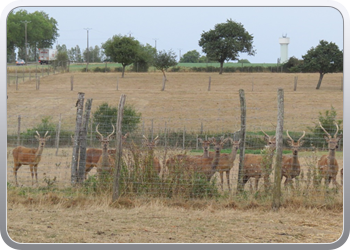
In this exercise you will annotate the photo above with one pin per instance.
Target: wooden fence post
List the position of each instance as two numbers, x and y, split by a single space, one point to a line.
276 199
38 82
117 82
58 135
22 74
243 138
71 82
209 83
82 139
16 82
19 131
75 154
119 149
295 83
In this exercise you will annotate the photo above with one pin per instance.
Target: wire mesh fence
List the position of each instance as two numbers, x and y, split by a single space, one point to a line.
170 157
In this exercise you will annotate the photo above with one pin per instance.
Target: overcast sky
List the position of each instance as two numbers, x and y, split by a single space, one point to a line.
180 28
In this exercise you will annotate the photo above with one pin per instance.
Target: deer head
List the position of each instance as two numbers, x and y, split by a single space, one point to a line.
332 142
271 141
43 139
295 145
104 140
219 144
205 144
150 144
235 144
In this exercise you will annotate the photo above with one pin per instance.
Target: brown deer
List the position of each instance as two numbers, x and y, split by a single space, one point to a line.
290 164
94 154
328 165
226 163
29 156
205 166
106 162
258 166
150 145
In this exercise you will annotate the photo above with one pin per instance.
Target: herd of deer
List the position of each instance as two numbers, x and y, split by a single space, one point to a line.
255 166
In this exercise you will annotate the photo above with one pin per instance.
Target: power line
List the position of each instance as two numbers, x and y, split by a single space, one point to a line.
87 53
25 42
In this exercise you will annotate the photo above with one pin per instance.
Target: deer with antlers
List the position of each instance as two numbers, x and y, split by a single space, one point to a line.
290 164
106 162
328 165
257 166
29 156
150 158
94 154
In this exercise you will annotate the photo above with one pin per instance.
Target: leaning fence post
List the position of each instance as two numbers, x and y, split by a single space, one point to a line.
83 133
164 80
79 118
209 83
276 199
119 149
71 82
58 135
243 138
117 82
19 130
295 83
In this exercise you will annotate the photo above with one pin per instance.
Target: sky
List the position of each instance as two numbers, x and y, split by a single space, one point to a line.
180 28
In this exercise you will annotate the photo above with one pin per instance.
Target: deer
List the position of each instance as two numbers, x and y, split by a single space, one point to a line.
106 161
29 156
328 165
94 154
227 162
290 164
207 166
258 166
150 145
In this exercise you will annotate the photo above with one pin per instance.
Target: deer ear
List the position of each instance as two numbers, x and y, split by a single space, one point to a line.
301 143
200 140
290 143
37 137
326 138
47 137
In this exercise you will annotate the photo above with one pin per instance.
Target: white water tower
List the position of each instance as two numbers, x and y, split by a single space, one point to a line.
284 41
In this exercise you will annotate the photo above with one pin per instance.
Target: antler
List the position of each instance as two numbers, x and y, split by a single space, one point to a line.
38 133
325 130
111 133
264 132
46 133
335 135
301 137
291 137
156 138
99 132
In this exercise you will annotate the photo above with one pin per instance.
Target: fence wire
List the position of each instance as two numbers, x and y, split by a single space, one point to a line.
164 156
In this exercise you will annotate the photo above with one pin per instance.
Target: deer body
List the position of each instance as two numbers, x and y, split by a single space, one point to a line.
150 158
328 165
290 164
29 156
205 166
257 166
226 162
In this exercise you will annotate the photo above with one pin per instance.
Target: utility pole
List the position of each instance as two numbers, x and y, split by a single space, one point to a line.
155 40
25 36
87 52
179 54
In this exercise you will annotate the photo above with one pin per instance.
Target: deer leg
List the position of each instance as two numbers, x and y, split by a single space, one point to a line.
245 180
228 179
15 169
32 173
256 182
222 180
36 173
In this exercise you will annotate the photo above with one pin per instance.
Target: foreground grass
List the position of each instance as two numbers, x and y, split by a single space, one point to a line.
71 216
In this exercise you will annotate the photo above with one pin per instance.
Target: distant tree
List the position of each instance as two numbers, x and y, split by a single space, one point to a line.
94 54
190 57
144 58
61 48
121 49
42 31
243 61
226 41
325 58
293 64
205 59
164 60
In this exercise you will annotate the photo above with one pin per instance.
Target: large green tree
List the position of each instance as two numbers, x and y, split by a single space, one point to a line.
226 41
42 31
144 59
190 57
324 58
121 49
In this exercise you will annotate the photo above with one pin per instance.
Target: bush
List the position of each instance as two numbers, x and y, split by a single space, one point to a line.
106 115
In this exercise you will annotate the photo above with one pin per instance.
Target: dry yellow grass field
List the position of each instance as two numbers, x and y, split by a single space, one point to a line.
185 102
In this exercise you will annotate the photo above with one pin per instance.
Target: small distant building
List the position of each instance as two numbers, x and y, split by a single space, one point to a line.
284 41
